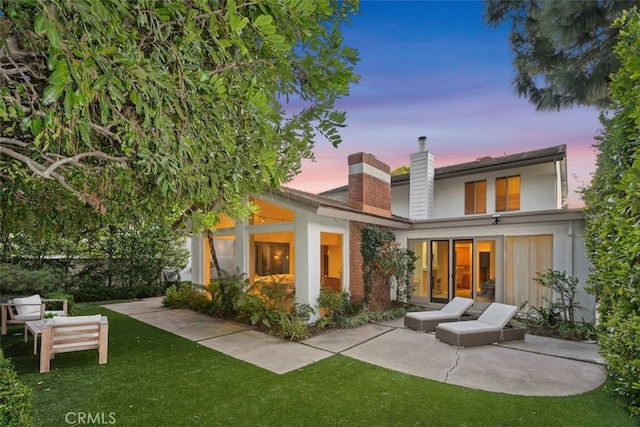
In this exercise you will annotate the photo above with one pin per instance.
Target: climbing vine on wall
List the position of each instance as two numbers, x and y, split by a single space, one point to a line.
382 257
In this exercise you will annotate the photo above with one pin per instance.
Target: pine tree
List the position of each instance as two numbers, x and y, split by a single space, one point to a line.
563 49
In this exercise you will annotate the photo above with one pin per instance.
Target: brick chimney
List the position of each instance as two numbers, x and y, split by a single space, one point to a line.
421 183
369 184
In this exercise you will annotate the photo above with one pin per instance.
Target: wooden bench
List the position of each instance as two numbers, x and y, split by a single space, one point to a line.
65 334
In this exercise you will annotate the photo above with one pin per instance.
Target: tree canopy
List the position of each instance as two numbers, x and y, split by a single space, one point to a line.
166 107
400 170
563 49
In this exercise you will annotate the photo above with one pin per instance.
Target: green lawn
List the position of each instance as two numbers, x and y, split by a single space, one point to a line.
154 378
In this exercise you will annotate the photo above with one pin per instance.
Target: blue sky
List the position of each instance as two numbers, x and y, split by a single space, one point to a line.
434 68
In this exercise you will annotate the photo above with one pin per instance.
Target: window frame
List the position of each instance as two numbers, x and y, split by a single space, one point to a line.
511 198
476 196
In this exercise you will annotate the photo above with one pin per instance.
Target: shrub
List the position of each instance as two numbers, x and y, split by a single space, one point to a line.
17 280
365 317
61 295
224 294
557 319
292 328
186 296
565 287
334 306
233 298
106 293
16 402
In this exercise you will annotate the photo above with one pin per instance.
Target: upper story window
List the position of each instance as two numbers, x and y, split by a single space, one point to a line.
508 193
475 197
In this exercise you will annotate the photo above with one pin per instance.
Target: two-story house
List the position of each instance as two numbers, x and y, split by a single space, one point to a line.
482 229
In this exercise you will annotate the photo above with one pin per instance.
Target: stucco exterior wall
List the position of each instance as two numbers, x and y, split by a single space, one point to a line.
568 250
538 191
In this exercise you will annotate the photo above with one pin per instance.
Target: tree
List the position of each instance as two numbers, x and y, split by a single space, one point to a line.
400 170
166 108
612 217
563 49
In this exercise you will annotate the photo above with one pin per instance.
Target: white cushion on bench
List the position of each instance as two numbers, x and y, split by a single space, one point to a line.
74 320
28 306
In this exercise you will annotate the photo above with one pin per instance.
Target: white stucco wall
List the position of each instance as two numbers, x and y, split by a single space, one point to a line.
538 191
400 200
568 250
308 245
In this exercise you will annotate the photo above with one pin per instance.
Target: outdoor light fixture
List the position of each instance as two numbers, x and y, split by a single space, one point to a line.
496 219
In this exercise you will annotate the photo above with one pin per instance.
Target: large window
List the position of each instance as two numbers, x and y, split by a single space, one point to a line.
475 197
508 193
225 247
272 258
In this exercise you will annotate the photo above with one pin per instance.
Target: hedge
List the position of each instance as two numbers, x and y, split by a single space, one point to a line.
16 398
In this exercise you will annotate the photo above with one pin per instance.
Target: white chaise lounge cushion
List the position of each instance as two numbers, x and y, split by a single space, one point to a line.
498 314
28 306
493 319
453 310
457 306
470 327
427 315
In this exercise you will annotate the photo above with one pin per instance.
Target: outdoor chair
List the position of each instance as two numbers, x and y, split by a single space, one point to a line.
21 310
488 329
65 334
427 320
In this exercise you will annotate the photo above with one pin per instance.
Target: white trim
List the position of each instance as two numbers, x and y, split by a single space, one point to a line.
364 168
361 217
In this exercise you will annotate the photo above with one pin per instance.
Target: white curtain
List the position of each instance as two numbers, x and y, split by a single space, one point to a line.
525 257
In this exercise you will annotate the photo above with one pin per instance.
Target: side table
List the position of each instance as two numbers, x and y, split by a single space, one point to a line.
35 327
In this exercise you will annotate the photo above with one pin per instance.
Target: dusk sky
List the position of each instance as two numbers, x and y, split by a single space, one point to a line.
433 68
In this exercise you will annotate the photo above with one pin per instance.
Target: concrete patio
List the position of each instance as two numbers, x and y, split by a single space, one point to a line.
538 366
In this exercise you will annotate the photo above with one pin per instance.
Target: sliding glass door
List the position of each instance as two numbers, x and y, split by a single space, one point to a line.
448 268
440 271
463 260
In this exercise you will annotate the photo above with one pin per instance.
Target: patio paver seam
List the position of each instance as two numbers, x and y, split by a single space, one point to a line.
138 312
391 328
319 347
222 335
567 357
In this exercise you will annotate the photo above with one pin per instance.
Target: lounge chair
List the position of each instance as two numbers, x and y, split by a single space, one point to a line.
488 329
22 310
423 321
65 334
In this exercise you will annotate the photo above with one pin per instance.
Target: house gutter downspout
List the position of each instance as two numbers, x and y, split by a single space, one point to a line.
570 249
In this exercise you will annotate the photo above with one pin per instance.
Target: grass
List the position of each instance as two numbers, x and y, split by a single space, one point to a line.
154 378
